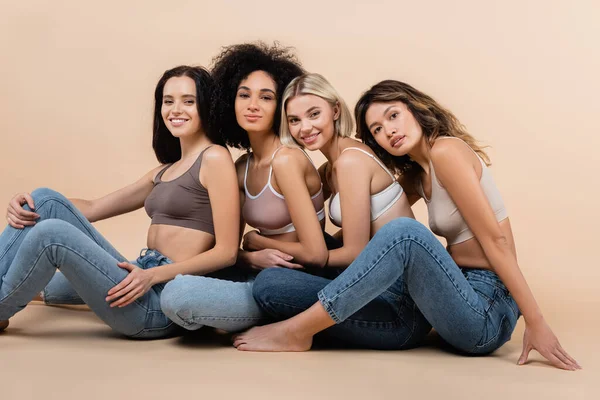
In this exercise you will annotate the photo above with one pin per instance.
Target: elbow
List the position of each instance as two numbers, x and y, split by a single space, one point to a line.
318 258
228 255
231 257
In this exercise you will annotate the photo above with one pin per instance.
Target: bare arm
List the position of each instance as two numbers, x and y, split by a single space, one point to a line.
218 176
354 182
411 193
310 250
456 168
122 201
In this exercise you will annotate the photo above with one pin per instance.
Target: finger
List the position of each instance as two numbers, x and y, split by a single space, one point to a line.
16 213
289 265
125 282
125 265
29 200
564 359
524 354
564 352
129 291
283 255
127 300
17 209
556 361
15 219
12 223
23 213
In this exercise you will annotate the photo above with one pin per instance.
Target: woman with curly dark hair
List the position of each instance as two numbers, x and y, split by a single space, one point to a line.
471 292
192 199
280 188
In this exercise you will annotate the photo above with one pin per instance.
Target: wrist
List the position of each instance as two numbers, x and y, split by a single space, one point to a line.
154 276
534 318
245 257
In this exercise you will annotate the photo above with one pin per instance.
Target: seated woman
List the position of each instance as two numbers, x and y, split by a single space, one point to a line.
473 292
280 190
364 196
192 199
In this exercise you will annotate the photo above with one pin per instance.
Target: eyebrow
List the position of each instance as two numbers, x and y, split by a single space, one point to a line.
248 89
385 112
185 95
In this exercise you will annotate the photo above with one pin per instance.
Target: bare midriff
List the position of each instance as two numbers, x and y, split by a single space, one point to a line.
470 254
178 243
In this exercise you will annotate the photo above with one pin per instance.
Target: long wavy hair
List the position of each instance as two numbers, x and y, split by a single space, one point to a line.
435 121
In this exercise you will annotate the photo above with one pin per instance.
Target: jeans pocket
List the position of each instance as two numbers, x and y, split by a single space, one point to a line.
500 324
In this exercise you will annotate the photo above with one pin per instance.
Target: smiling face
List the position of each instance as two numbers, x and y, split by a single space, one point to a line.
393 127
179 109
311 120
256 102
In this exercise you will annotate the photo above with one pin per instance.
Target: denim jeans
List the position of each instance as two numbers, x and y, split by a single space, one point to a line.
222 299
402 281
62 238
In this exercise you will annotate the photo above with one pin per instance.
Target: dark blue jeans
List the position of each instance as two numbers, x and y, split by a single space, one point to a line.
403 281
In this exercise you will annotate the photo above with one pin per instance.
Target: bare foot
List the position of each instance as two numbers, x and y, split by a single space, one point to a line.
3 325
274 337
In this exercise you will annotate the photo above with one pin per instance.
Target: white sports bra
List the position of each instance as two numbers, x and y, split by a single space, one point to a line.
380 202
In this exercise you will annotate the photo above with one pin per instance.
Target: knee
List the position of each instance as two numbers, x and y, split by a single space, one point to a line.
173 300
267 281
52 229
41 194
403 226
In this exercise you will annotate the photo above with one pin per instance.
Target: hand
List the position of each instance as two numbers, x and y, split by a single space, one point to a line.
269 258
250 242
539 337
17 216
134 286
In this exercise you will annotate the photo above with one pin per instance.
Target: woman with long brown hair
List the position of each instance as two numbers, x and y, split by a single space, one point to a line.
473 292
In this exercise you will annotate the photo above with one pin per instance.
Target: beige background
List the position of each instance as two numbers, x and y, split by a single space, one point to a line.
76 84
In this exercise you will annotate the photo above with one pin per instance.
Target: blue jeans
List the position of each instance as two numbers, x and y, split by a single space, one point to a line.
402 281
62 238
222 299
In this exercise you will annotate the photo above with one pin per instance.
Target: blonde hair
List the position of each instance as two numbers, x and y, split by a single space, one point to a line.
316 85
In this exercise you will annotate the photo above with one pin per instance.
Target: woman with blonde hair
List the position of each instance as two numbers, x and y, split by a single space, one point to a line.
473 292
364 196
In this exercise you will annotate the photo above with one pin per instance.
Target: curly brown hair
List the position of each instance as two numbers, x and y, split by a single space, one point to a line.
233 65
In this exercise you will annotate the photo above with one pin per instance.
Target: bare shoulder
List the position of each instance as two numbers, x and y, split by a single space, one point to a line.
151 175
448 151
287 157
217 155
351 160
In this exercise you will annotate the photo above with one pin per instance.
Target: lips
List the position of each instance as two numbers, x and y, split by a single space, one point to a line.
176 122
397 141
252 117
310 138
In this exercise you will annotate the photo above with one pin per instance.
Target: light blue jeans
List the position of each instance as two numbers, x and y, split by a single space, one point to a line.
403 281
63 238
220 300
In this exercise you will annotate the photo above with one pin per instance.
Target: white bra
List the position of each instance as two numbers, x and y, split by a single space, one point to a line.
380 202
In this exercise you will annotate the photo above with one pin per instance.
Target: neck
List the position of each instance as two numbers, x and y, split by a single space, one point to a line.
263 144
193 144
331 150
421 154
